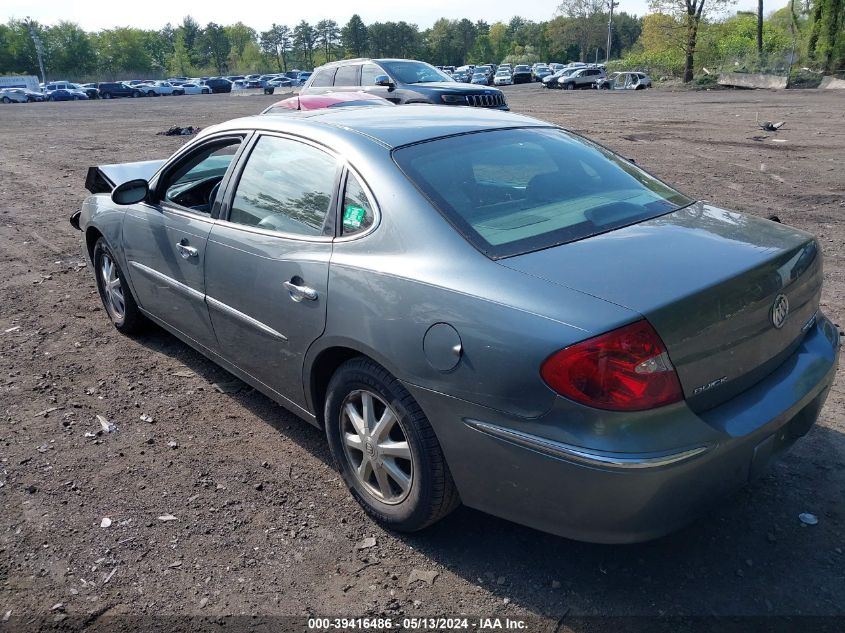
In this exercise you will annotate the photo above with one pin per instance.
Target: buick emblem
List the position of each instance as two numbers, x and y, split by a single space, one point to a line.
780 310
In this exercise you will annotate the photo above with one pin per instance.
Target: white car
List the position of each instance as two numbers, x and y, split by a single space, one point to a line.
502 78
16 95
157 88
195 89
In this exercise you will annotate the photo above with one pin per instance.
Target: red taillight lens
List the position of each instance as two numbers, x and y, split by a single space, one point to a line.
624 370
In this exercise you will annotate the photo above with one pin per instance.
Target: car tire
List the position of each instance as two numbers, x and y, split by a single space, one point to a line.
7 100
419 488
127 318
106 95
206 92
570 86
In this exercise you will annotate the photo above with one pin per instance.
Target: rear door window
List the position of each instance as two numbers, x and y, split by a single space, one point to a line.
347 76
323 78
286 186
357 212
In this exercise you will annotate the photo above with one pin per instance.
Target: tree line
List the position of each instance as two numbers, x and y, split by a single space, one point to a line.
190 49
678 38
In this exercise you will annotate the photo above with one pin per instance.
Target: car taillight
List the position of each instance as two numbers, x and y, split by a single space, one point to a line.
624 370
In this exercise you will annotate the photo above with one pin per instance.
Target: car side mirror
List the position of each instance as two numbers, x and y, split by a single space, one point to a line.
383 80
131 192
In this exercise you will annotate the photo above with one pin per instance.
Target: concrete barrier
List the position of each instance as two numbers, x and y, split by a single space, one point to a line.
752 80
832 83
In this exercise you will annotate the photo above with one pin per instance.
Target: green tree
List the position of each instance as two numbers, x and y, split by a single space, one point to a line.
123 50
327 36
215 46
179 63
303 41
499 40
69 50
276 43
827 34
191 32
354 36
240 37
691 13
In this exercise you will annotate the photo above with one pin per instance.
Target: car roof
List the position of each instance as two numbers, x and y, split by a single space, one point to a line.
400 126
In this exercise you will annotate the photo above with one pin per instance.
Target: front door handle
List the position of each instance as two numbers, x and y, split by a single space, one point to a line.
186 251
299 292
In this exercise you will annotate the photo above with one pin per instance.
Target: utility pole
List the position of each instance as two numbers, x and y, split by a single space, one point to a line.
39 48
609 30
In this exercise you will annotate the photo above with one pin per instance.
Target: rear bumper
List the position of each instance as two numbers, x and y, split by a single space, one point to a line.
587 490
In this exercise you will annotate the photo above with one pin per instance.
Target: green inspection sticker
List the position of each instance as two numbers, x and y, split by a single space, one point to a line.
353 217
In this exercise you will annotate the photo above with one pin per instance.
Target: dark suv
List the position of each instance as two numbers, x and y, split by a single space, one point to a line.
115 89
401 81
217 84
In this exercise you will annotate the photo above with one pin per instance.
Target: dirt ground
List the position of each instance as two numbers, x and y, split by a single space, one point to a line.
263 525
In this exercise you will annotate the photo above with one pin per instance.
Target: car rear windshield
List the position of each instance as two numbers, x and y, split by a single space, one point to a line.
519 190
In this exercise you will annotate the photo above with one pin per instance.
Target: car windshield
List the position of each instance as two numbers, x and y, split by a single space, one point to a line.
520 190
503 73
522 69
409 72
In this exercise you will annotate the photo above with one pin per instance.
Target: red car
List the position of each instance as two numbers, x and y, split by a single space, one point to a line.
327 100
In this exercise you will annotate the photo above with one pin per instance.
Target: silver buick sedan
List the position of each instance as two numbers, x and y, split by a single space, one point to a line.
477 307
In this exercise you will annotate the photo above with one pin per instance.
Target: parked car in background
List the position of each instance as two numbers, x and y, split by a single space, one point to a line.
218 84
462 76
326 100
401 81
158 89
581 78
624 81
540 72
116 89
522 74
190 88
475 307
488 72
503 77
88 89
552 81
482 79
278 83
302 78
14 95
63 94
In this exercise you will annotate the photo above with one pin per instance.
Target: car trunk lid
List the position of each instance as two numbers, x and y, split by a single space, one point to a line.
708 281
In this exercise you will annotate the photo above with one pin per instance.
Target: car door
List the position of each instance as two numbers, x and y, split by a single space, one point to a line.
267 260
369 72
165 239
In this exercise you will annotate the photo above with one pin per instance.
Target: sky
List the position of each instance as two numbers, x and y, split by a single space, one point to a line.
94 15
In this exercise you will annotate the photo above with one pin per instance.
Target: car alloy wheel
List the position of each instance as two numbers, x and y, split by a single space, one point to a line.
7 100
376 446
385 448
113 289
570 86
115 294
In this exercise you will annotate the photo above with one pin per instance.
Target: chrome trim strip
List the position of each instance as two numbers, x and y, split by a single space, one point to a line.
244 318
575 453
176 285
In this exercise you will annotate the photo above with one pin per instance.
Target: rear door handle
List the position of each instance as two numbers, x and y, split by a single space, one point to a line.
298 293
186 251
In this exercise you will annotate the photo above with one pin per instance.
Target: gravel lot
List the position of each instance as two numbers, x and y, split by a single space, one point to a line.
263 525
